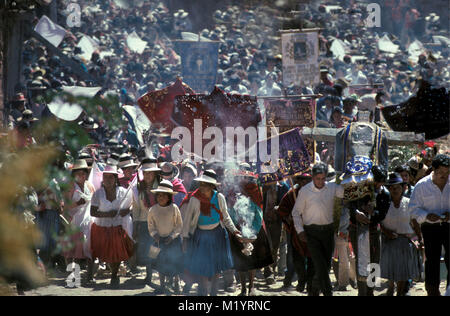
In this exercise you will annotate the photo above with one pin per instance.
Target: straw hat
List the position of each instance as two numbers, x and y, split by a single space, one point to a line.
110 169
88 123
150 164
190 166
331 175
172 170
19 97
80 164
126 161
164 186
208 176
343 82
27 115
113 159
180 14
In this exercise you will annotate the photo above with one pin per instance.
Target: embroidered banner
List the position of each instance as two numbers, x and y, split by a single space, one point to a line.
217 109
294 157
300 58
199 62
287 114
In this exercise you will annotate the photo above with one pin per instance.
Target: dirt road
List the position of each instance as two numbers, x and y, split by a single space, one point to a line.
135 286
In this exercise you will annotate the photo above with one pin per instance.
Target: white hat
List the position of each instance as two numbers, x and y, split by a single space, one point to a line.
164 186
150 164
110 169
173 173
187 165
126 161
80 164
208 176
180 14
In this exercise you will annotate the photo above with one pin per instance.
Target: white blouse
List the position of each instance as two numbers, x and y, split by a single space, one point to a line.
399 219
123 200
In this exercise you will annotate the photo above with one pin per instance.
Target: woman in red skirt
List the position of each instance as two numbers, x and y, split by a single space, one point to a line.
110 235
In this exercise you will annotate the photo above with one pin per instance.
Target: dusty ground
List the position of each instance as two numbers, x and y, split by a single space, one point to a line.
134 286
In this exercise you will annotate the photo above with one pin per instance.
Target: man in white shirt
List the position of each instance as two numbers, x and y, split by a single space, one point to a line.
313 221
430 206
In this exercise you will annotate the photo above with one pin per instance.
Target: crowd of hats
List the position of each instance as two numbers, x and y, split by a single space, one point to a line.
249 50
249 54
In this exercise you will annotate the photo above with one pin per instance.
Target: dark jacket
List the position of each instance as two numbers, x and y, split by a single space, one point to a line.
382 204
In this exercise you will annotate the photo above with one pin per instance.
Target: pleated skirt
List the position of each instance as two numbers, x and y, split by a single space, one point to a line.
110 244
209 252
399 260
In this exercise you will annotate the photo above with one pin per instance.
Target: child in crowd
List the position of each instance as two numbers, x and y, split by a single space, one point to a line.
165 225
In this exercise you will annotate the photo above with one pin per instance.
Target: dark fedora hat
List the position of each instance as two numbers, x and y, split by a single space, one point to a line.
394 178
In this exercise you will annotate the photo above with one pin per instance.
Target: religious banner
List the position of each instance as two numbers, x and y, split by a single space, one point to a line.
158 105
199 60
222 115
300 58
287 114
294 157
427 112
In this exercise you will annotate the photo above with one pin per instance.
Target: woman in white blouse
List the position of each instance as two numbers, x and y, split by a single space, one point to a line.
78 212
399 256
112 228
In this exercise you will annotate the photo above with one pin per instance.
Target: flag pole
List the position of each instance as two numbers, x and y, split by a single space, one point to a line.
291 96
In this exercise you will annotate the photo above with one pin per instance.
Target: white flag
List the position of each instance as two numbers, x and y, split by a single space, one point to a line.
52 32
414 50
96 176
88 46
135 43
70 112
140 120
386 45
339 49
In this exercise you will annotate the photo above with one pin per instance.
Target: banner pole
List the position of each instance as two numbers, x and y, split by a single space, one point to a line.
291 96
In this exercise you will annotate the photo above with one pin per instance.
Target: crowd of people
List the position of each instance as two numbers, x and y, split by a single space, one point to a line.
185 220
